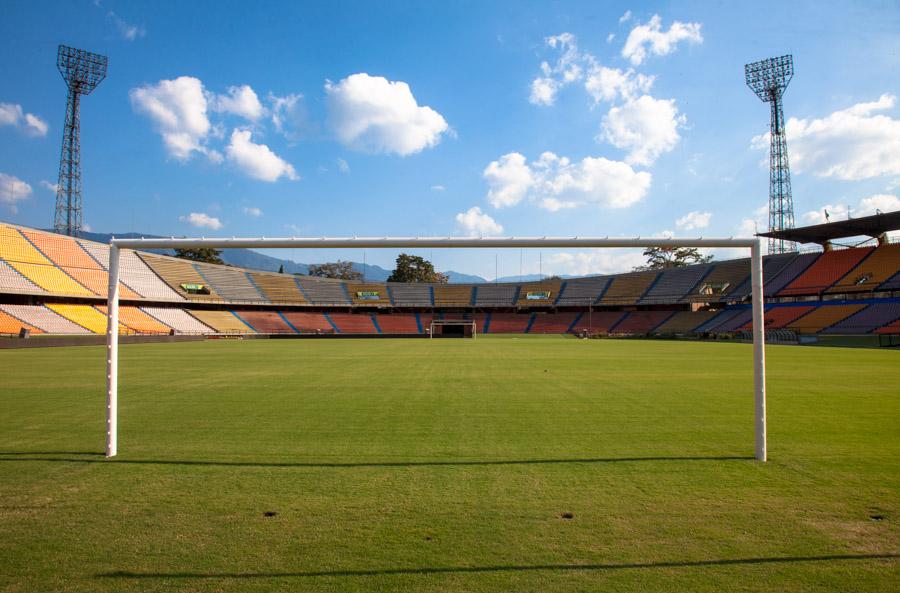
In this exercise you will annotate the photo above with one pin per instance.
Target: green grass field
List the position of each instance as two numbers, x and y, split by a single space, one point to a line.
447 465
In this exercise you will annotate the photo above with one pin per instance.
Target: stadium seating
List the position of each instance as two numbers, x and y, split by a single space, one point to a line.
626 289
397 323
86 316
880 317
675 284
553 323
278 288
13 281
684 322
823 317
368 294
452 295
871 272
177 273
508 323
640 322
779 317
410 295
178 319
724 279
727 320
773 265
534 289
21 255
133 272
495 295
266 322
308 322
598 322
12 325
892 284
825 271
793 269
232 284
891 328
137 321
324 291
224 322
583 291
353 323
44 319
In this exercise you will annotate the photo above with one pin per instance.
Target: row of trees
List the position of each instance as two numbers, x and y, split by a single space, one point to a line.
412 268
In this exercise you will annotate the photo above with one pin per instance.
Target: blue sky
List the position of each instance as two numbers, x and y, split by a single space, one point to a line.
363 118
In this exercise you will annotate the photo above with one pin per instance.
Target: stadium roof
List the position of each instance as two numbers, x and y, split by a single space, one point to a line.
872 226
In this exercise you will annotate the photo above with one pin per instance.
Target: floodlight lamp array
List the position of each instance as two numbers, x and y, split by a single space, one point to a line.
82 70
768 78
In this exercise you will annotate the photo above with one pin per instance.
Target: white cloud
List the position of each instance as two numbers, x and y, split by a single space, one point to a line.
201 220
556 183
651 39
646 127
866 207
599 261
509 179
288 114
543 91
342 165
625 17
851 144
373 114
128 31
53 187
565 71
241 101
257 160
475 223
610 84
178 108
610 37
438 187
252 211
12 191
694 220
12 114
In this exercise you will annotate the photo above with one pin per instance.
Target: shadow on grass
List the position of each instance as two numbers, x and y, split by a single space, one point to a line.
99 458
492 569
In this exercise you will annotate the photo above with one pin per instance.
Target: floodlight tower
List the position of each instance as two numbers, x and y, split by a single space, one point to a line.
769 79
82 71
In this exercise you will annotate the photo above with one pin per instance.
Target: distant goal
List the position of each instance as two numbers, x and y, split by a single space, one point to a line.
450 328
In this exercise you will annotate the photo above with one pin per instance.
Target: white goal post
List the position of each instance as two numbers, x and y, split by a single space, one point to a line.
443 322
756 276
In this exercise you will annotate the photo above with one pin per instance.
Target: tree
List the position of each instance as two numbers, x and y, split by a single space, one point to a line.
204 254
663 258
281 269
341 270
412 268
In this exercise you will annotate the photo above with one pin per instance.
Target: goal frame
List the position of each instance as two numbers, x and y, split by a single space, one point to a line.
754 244
470 322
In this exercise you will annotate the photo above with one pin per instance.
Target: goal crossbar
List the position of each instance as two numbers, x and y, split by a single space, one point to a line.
753 244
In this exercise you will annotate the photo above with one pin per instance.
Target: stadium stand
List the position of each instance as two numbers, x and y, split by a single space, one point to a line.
232 284
13 281
892 284
133 272
278 288
878 317
397 323
178 319
773 265
179 274
553 323
368 294
452 295
353 323
531 293
640 322
308 322
496 295
224 322
410 295
684 322
137 321
823 317
86 316
736 317
22 256
583 291
599 321
871 272
891 328
266 322
12 325
790 271
780 317
626 289
675 284
825 271
323 291
508 323
724 278
43 318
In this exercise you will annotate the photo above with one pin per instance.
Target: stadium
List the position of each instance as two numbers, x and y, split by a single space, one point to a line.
171 420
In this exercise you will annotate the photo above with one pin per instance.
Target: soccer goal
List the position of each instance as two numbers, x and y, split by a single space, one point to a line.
450 328
753 244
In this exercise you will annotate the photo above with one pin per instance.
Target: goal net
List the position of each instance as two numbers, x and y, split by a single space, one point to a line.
450 328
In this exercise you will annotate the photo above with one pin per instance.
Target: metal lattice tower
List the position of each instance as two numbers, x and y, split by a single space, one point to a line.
769 79
82 71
